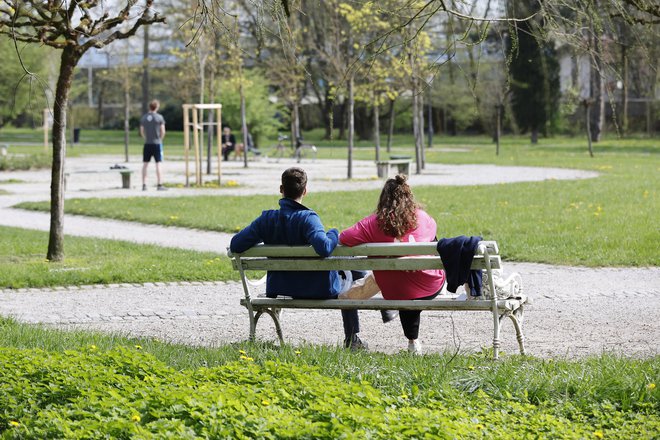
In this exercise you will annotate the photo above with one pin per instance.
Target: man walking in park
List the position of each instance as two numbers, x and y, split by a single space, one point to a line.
152 130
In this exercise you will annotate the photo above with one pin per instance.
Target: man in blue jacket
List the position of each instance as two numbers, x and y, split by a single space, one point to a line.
295 224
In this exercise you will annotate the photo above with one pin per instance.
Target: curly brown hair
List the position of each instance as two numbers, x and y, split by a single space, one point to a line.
396 211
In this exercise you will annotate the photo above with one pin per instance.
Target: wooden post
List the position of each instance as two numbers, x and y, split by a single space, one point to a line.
196 144
218 132
186 140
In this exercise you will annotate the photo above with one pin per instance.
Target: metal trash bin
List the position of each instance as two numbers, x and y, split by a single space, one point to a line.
126 179
76 135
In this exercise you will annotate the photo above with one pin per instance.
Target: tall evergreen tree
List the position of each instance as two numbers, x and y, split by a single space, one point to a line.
534 74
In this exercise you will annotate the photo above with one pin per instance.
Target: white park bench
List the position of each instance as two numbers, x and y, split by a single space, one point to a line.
508 300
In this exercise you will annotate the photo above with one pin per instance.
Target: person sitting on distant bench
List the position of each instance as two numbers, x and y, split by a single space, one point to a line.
228 142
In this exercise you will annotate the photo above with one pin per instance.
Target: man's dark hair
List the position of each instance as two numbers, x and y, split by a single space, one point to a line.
294 182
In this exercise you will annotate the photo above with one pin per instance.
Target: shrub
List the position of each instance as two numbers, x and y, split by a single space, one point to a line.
15 162
124 393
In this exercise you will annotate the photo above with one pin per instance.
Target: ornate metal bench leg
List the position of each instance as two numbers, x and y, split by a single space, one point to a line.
496 336
275 314
517 318
253 324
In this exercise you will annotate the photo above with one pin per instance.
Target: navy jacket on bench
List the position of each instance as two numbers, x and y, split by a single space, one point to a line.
456 254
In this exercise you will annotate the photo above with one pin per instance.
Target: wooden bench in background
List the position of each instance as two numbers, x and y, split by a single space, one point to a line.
391 256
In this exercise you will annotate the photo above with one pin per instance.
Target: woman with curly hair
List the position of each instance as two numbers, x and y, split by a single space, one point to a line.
398 218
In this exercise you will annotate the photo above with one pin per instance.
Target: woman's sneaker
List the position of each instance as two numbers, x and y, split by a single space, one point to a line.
415 347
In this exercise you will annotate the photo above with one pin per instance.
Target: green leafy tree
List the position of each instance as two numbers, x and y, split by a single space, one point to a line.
21 92
74 27
260 111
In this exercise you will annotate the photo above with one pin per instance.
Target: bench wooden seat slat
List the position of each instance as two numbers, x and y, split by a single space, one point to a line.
374 256
384 304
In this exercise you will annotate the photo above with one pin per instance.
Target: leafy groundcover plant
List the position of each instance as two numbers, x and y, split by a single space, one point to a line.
128 393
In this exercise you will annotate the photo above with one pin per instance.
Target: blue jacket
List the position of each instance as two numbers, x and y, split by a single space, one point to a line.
293 224
456 254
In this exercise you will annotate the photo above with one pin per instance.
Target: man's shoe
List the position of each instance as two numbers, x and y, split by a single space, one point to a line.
415 347
144 187
388 315
354 343
161 188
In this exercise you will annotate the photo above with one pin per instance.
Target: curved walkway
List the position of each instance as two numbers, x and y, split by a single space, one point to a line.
576 311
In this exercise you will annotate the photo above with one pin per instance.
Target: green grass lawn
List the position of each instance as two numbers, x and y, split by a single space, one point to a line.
94 261
80 384
609 220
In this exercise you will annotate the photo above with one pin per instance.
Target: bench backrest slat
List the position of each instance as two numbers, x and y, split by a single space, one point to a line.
385 256
402 263
369 250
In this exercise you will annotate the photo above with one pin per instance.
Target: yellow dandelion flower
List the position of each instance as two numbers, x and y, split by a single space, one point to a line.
14 423
92 347
297 352
243 352
650 386
598 434
470 367
136 418
404 396
138 347
265 402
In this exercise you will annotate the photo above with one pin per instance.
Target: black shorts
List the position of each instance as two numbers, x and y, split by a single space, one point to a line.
152 150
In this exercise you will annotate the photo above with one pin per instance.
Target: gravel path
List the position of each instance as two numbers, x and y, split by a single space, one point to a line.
576 311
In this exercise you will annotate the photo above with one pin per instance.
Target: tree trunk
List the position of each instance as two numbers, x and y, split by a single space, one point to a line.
624 91
328 114
244 128
430 122
342 126
390 130
145 71
498 129
535 136
351 126
415 112
587 118
99 105
377 128
68 63
127 115
294 126
420 131
597 92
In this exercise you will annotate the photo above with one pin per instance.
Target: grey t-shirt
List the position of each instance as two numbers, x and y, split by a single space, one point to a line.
151 123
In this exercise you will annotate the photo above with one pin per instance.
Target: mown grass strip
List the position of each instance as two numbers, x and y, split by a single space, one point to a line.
96 261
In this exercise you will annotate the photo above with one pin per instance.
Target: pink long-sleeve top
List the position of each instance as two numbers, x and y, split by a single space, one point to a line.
408 284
